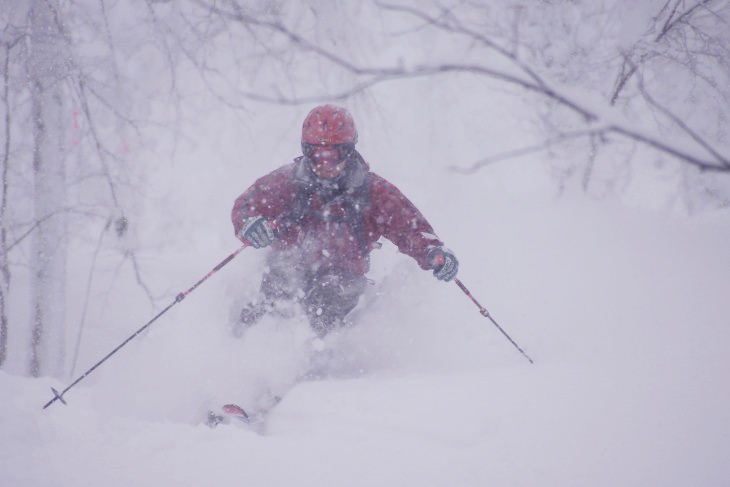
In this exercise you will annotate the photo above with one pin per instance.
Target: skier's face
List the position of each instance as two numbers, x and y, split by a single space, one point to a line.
327 161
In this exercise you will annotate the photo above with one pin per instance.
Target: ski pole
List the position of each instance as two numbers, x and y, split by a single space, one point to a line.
59 395
485 313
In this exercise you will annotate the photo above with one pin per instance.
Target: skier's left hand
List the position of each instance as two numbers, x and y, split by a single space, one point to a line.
444 263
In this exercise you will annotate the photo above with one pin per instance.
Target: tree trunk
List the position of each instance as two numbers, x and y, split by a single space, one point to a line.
48 292
4 265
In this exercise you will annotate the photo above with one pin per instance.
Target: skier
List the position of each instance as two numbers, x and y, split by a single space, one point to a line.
322 215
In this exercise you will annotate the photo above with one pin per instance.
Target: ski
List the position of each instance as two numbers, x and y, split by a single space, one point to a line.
228 414
235 414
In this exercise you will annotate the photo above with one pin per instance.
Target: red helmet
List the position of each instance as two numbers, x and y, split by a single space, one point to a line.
329 125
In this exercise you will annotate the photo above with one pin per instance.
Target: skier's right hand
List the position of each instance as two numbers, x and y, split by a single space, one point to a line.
257 232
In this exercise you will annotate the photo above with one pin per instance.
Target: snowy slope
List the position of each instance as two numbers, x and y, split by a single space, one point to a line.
625 314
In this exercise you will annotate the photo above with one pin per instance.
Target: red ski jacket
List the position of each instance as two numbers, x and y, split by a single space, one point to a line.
335 223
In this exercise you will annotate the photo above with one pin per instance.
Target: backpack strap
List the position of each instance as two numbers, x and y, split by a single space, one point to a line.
354 198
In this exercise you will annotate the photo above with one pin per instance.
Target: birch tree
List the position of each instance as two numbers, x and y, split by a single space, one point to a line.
77 95
61 99
4 266
46 73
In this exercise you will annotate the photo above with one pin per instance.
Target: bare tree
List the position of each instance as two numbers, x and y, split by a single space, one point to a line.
499 42
62 117
90 96
75 101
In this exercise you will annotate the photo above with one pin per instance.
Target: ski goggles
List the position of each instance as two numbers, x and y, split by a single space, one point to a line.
330 153
328 161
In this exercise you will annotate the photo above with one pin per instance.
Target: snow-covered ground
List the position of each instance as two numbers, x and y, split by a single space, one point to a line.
624 312
623 305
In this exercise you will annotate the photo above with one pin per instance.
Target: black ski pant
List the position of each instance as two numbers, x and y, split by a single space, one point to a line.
326 295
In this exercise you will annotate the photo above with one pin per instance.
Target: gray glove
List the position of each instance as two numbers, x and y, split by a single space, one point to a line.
444 263
257 232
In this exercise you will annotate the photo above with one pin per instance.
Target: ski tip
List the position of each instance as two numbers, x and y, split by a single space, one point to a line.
230 412
237 412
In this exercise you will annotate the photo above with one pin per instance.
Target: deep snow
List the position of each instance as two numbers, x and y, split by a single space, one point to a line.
624 312
623 306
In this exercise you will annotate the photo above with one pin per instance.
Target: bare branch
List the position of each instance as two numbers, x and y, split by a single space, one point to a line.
669 149
559 139
82 321
724 162
537 80
671 22
138 275
524 77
